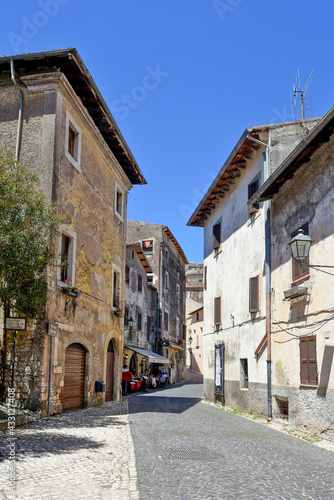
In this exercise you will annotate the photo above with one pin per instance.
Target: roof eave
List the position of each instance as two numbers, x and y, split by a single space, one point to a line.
266 192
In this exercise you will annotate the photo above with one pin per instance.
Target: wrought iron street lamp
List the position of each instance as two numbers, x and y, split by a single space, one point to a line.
300 248
190 340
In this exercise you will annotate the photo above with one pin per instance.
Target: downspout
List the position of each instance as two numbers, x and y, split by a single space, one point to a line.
19 120
267 267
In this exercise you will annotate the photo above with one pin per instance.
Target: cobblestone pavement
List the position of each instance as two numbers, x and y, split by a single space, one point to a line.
189 450
86 454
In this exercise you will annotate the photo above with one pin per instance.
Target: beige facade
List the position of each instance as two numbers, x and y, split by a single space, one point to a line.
87 170
195 325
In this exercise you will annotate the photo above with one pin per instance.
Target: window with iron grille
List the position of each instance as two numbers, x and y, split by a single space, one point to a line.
300 270
217 311
216 236
308 361
254 294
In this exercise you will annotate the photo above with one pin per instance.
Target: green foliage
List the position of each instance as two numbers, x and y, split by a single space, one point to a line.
27 225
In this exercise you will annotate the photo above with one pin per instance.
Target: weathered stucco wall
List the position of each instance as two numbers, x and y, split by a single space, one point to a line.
307 198
87 196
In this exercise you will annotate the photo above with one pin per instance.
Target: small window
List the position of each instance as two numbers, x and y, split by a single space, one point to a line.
72 141
116 289
119 202
300 270
166 320
244 373
308 361
254 294
140 283
139 321
178 291
127 274
126 316
147 246
148 327
217 311
197 316
252 188
66 258
150 279
216 238
166 253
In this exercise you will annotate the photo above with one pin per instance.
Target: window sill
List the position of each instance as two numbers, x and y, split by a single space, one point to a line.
309 386
301 280
73 161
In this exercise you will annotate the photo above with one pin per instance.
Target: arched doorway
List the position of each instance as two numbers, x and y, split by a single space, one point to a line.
133 363
110 371
74 379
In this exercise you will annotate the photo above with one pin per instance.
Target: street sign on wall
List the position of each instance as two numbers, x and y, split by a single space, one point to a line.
16 324
53 328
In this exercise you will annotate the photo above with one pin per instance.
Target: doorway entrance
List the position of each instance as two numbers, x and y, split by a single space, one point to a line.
110 371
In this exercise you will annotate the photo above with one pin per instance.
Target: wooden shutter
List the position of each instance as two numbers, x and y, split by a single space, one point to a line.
254 294
217 311
308 361
216 236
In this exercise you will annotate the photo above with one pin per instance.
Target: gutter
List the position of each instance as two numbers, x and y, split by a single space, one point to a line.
19 120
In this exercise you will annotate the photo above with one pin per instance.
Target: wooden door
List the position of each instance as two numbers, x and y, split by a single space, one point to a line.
74 380
110 372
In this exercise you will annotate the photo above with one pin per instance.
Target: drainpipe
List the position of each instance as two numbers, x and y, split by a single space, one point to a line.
267 267
19 120
158 300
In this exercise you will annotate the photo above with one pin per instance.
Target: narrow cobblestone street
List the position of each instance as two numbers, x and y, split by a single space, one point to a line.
186 449
178 448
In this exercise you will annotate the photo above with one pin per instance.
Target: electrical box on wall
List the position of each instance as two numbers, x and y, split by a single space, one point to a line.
100 386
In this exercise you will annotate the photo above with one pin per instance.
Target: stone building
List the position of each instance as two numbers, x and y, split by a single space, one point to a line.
65 127
167 262
194 281
301 194
236 240
140 313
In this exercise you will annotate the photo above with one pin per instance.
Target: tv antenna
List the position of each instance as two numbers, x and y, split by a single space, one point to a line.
297 91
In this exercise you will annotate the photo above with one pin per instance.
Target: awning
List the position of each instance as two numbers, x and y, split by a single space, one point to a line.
152 356
175 346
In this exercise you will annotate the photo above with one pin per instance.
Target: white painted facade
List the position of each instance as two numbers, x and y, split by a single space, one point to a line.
240 257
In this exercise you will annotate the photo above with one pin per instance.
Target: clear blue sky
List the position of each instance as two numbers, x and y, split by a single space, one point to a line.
184 78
